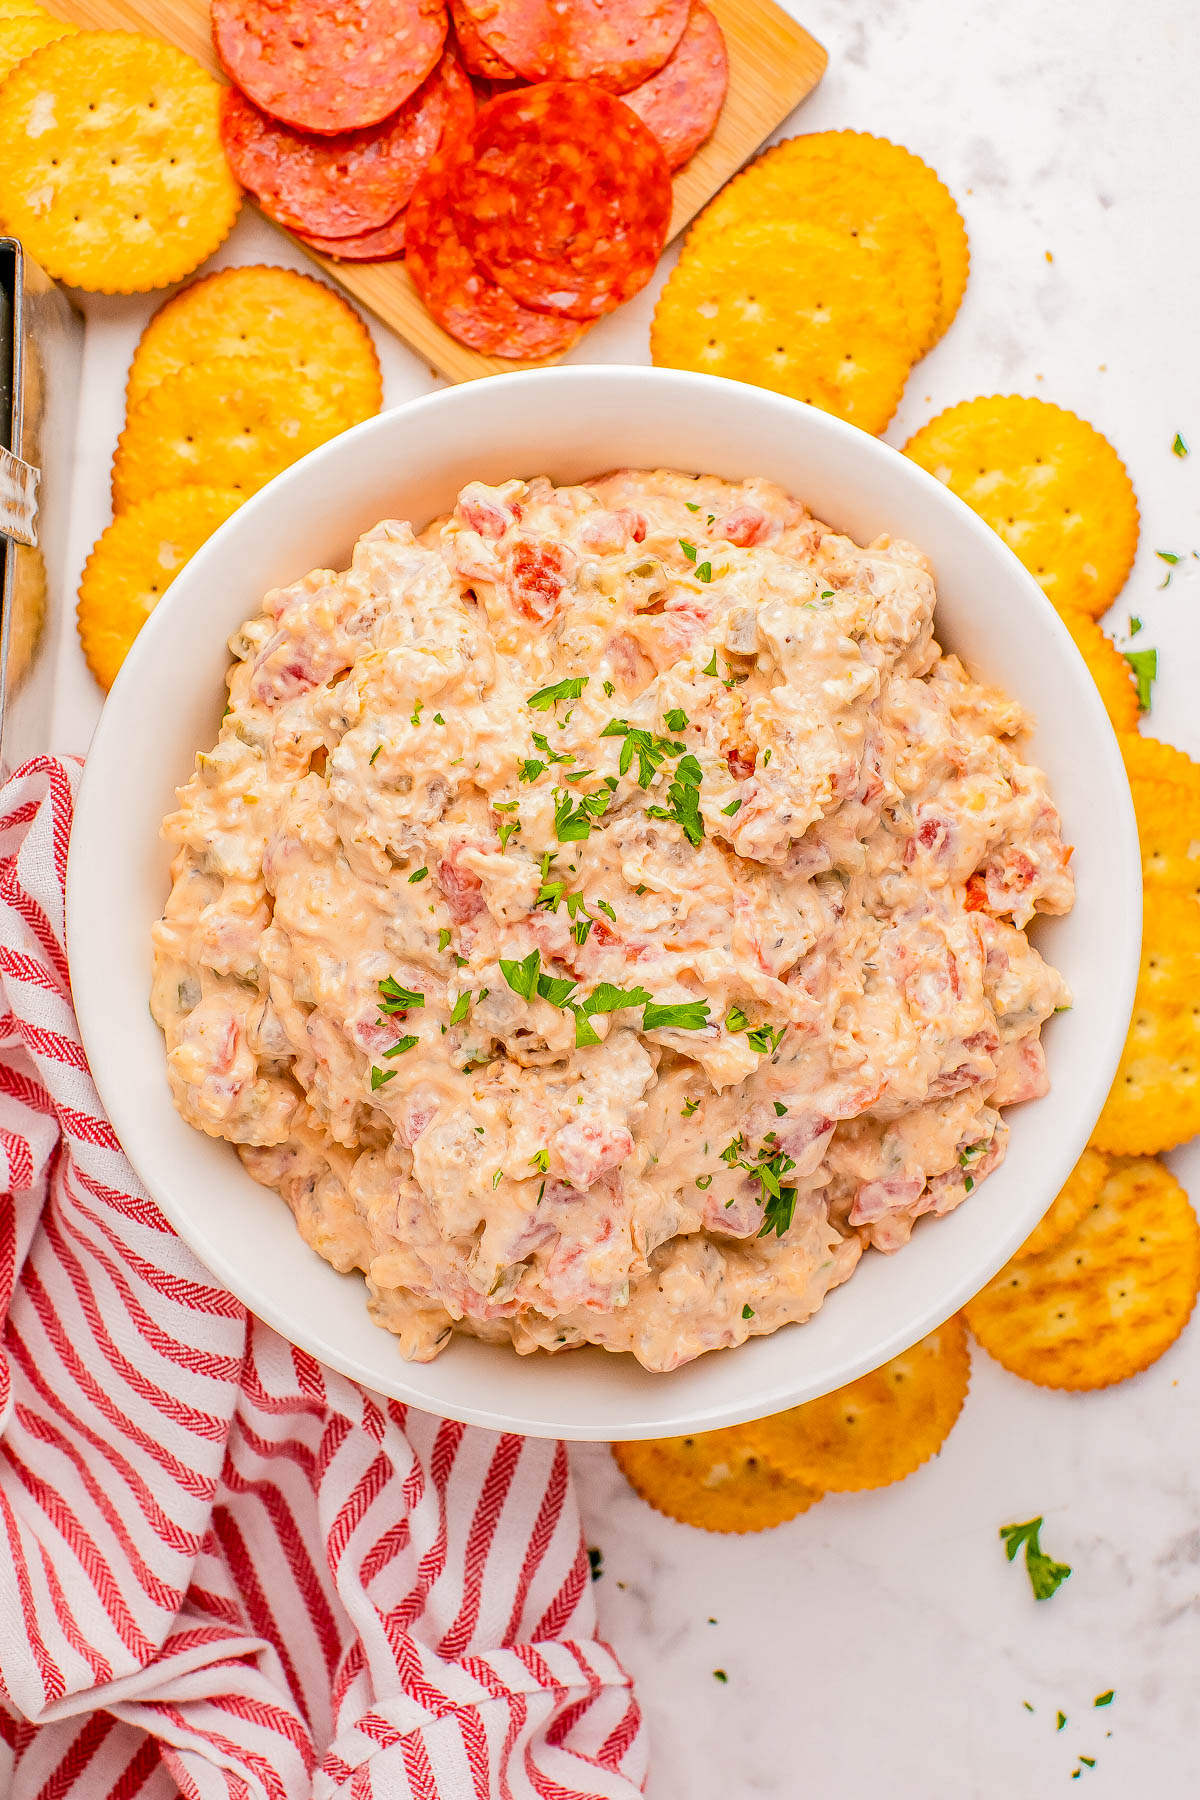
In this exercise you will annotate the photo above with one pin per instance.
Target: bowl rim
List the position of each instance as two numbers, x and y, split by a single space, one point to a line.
121 1107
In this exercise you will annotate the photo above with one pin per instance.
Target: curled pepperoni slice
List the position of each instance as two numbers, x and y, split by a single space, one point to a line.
567 203
460 297
328 187
616 43
682 102
328 65
381 245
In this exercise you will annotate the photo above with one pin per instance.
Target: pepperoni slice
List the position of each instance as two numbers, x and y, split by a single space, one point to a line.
682 102
473 48
568 201
328 65
617 43
462 300
381 245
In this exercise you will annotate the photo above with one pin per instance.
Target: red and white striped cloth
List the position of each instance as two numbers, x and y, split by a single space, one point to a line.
225 1570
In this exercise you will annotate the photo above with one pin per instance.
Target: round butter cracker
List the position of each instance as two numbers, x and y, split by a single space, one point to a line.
715 1480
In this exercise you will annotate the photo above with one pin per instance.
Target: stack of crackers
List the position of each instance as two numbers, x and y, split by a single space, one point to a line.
234 378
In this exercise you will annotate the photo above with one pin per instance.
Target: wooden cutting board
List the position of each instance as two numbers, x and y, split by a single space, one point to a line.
773 65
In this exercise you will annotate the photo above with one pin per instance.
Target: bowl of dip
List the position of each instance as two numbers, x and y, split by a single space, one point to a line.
572 425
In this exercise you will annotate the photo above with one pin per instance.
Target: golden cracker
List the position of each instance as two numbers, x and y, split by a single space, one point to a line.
1105 1301
1074 1199
1048 483
840 196
232 423
882 1426
1153 760
111 166
1168 819
1154 1102
796 308
1107 667
273 314
23 33
134 563
715 1480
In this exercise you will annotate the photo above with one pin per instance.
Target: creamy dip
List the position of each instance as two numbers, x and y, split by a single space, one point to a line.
603 915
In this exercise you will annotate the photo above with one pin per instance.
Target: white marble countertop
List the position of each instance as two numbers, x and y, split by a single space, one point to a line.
881 1646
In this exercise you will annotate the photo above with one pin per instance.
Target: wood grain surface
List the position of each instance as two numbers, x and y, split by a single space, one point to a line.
773 65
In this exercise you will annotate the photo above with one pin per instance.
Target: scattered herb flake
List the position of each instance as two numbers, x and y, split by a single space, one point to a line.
444 938
689 550
1104 1699
689 1107
497 1178
1135 624
1045 1575
522 977
704 1181
704 572
460 1009
417 875
676 719
720 1675
688 1015
557 989
569 689
438 719
780 1110
692 505
747 1311
506 829
415 717
374 754
401 1045
683 800
1144 664
1062 1719
396 998
734 806
604 907
379 1077
1027 1706
606 998
1179 448
541 1160
766 758
710 667
609 690
1089 1762
736 1020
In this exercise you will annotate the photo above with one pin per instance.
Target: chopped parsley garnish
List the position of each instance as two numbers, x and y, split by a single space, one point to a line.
692 505
522 976
736 1020
1170 558
460 1009
569 689
1179 448
765 1039
780 1110
676 719
1027 1706
497 1178
651 751
766 758
417 875
1144 664
683 802
401 1045
381 1076
688 1015
396 998
710 667
460 961
690 1107
438 719
1045 1575
1089 1762
609 689
1135 624
747 1311
415 718
689 550
1104 1699
573 822
444 938
720 1675
585 1032
1062 1719
704 572
540 1160
734 806
557 989
606 998
530 769
506 829
704 1181
374 754
604 907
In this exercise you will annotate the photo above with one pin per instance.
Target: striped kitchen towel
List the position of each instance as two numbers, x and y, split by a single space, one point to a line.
226 1570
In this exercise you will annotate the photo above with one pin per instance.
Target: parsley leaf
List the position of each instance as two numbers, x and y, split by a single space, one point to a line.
605 998
557 989
1135 624
689 550
1144 664
1045 1575
609 689
780 1110
604 907
692 505
683 802
401 1045
374 754
546 697
651 751
687 1015
417 875
710 667
444 938
541 1160
704 1181
1179 448
765 1039
460 1009
704 572
415 719
585 1033
676 719
734 806
1104 1699
689 1107
396 998
747 1311
522 977
380 1076
530 769
736 1020
573 823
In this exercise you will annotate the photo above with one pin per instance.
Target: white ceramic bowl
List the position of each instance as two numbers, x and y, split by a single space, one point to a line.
570 423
